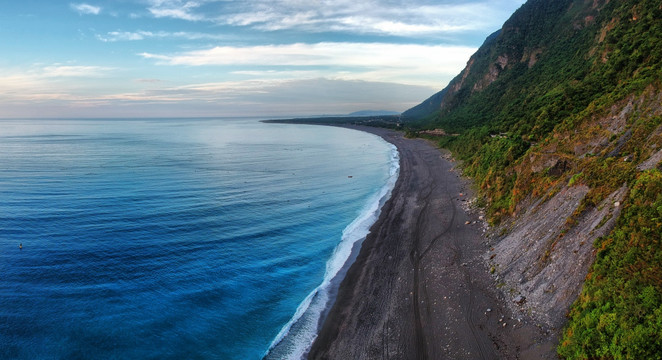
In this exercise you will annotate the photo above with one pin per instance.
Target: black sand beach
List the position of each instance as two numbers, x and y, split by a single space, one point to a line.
419 288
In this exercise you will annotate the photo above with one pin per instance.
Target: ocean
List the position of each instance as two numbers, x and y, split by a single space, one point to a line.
178 238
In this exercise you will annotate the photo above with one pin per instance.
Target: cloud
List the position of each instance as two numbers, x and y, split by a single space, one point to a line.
51 82
272 97
176 9
148 81
115 36
73 71
86 9
372 17
41 94
376 17
322 95
424 65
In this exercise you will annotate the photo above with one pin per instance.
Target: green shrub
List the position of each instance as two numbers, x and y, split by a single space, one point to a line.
619 312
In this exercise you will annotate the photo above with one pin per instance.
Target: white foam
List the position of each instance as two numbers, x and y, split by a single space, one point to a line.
308 313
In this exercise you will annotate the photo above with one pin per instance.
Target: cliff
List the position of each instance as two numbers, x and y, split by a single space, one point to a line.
559 116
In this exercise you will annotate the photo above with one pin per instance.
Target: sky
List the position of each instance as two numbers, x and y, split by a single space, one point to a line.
174 58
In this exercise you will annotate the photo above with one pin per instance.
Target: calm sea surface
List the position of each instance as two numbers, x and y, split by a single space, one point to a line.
177 238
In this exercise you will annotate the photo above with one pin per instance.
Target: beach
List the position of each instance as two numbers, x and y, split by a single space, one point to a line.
419 288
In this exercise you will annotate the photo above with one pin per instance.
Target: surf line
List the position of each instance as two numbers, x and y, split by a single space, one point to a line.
298 334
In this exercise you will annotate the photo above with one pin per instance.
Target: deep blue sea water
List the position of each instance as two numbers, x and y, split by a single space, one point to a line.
177 238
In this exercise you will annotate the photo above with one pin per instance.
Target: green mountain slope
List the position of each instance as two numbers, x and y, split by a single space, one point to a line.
567 99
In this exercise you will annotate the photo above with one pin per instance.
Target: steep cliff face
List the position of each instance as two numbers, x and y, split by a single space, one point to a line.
517 42
559 116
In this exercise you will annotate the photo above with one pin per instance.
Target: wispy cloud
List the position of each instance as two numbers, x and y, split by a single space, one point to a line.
114 36
277 97
372 17
274 97
246 56
380 17
148 81
57 70
177 9
405 63
51 82
86 9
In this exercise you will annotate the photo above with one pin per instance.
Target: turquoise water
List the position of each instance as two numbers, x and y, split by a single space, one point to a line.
177 238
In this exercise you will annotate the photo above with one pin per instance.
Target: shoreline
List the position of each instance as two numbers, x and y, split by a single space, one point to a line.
419 287
296 336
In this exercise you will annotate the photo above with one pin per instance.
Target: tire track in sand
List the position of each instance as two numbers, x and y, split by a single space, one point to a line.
422 229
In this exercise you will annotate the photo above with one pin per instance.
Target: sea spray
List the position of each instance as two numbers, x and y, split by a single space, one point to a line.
297 335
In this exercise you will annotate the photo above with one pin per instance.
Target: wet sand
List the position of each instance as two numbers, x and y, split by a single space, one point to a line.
419 288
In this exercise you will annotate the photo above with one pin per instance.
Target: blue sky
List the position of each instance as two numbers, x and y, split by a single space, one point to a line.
154 58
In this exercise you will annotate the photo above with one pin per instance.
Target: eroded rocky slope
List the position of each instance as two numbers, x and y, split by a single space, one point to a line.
558 119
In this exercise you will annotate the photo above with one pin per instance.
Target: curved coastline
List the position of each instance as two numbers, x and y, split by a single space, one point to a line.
419 287
297 335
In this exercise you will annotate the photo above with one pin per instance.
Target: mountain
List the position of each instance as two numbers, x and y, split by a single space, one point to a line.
433 104
427 107
558 118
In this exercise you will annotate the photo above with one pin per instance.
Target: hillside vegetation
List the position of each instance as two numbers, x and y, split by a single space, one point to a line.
566 100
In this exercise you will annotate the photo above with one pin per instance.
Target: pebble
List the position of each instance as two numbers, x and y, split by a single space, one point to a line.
519 300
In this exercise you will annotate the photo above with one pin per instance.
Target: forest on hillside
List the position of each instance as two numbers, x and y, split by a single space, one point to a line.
569 93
